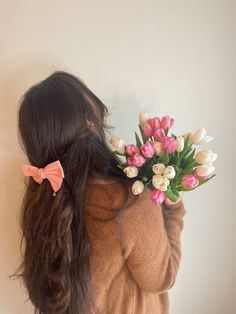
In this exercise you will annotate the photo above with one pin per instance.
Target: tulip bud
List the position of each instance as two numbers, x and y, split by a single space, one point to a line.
137 187
131 171
167 122
157 147
198 136
158 168
137 160
118 144
143 116
169 172
169 144
131 149
160 182
205 157
204 170
189 181
147 149
180 143
157 196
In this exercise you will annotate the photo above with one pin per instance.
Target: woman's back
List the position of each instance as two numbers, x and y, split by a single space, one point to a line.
135 252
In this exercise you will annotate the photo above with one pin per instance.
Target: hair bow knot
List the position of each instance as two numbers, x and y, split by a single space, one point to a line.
53 172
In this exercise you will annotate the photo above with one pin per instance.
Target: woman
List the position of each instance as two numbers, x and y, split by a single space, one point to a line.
91 247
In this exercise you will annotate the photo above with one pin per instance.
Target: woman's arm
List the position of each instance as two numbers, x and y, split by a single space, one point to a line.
150 237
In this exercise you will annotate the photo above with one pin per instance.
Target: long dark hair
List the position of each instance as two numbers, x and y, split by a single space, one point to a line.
52 126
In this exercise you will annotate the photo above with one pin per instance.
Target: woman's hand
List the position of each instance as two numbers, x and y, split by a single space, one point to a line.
169 202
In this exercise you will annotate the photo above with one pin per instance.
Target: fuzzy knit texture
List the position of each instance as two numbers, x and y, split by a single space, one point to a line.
135 252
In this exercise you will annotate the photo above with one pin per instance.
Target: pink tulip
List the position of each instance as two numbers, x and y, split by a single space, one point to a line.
167 122
157 196
159 134
147 129
189 181
151 126
131 149
147 149
202 177
169 144
136 160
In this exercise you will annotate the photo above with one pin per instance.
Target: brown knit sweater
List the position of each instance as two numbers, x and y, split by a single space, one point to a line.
135 255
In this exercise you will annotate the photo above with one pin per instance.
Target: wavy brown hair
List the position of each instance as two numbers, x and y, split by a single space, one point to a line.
52 126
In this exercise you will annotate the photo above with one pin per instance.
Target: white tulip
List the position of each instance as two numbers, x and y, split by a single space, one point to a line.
118 144
160 182
200 137
143 116
131 171
158 168
180 144
204 170
205 157
137 187
166 181
157 147
169 172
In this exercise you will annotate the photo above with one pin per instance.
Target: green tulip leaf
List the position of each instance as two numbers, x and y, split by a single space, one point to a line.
142 134
174 136
138 141
164 157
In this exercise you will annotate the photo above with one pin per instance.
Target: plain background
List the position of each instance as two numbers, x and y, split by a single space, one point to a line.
163 57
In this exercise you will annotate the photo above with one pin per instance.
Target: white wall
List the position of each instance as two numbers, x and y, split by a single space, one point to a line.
165 57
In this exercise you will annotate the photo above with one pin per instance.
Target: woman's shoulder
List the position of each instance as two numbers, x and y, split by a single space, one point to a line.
140 206
107 196
114 192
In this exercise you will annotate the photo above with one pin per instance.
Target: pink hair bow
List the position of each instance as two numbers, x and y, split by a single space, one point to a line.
53 172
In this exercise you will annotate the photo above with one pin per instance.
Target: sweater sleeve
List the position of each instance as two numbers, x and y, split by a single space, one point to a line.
150 236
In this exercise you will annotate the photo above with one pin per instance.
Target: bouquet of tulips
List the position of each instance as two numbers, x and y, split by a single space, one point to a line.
167 163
